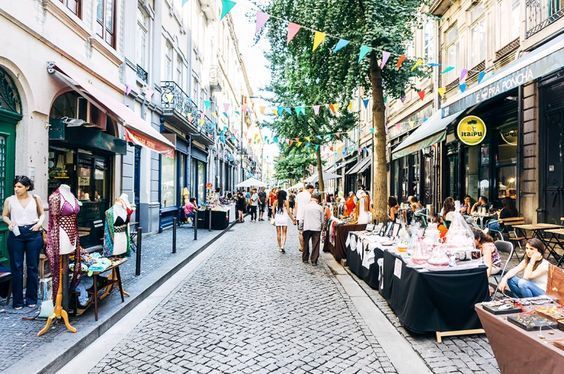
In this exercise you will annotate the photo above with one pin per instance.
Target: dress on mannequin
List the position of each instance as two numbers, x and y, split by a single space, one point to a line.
363 214
62 237
116 228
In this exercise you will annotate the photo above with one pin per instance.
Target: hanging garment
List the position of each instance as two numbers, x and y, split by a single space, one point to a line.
117 239
363 214
62 222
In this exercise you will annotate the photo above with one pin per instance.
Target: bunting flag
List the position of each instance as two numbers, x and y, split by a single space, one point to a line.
316 109
441 91
261 19
418 63
293 29
364 50
462 87
262 109
350 106
300 110
342 43
421 94
275 112
401 59
385 57
433 64
280 110
334 108
288 110
365 102
226 107
447 69
318 38
481 76
128 89
184 2
207 104
226 6
463 74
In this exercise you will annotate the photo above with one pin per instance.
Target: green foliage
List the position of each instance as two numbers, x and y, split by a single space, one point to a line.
293 163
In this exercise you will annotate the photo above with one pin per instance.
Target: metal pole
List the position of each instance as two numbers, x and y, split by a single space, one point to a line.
209 220
195 224
138 252
174 235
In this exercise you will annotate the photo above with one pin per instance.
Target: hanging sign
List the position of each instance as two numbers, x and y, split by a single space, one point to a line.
471 130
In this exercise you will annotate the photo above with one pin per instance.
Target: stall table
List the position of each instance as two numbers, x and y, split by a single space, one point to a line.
438 301
341 233
219 219
519 351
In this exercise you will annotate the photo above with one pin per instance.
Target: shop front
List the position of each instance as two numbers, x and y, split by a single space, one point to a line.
198 176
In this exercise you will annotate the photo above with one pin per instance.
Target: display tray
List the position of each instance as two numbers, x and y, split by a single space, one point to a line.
559 344
552 312
532 322
501 307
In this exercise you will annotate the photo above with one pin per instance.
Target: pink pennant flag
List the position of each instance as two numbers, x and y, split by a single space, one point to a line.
261 20
128 89
463 74
226 107
293 29
385 57
316 109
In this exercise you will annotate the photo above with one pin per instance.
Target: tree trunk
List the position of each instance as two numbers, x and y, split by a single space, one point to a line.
320 173
380 174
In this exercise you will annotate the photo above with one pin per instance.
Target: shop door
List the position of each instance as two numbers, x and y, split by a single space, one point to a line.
554 170
7 161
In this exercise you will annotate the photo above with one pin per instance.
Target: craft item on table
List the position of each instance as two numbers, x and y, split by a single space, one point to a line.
530 322
117 239
537 300
505 306
552 312
439 256
460 238
368 257
416 247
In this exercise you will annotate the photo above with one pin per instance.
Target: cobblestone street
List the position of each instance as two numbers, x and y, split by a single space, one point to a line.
252 309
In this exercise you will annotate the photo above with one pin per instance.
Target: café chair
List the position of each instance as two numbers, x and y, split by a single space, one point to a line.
507 247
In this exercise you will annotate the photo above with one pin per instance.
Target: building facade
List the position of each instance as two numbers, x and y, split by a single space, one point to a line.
111 97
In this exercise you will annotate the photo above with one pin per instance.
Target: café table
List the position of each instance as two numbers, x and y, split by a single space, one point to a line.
555 235
518 351
537 230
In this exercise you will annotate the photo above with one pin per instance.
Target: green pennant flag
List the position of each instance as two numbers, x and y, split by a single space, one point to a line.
364 49
226 6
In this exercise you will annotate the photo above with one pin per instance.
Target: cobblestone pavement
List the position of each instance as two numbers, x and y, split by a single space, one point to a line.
251 309
23 340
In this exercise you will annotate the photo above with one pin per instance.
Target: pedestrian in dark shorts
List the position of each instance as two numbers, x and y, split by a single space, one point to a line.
292 201
261 203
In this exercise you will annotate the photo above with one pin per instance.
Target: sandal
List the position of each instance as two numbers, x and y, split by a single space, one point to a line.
31 305
18 307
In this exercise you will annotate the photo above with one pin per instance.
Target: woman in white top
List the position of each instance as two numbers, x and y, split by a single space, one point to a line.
282 216
23 213
535 272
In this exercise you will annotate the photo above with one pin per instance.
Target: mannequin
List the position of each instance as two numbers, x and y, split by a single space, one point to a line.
363 208
116 228
62 239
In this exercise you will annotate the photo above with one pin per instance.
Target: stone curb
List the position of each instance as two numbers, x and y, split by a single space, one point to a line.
88 334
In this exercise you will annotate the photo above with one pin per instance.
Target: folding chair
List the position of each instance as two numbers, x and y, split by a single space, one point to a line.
507 247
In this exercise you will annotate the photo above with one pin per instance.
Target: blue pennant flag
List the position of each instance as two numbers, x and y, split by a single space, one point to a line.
342 43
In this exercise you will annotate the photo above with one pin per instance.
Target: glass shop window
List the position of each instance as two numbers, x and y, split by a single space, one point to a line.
484 185
506 165
201 182
168 182
472 177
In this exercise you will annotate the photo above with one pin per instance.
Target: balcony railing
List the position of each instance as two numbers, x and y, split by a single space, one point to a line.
142 74
542 13
176 103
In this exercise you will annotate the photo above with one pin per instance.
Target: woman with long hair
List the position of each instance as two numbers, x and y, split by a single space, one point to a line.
282 216
448 209
490 254
535 272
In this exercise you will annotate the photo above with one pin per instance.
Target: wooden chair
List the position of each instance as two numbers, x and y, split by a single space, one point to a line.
511 233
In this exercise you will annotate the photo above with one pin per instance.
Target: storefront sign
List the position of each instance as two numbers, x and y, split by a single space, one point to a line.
145 141
471 130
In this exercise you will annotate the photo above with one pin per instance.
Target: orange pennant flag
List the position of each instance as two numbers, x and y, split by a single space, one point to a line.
421 94
401 59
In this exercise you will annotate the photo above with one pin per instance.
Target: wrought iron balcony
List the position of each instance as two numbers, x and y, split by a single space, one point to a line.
541 13
142 74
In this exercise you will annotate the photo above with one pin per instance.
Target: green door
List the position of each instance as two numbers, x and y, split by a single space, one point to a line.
7 152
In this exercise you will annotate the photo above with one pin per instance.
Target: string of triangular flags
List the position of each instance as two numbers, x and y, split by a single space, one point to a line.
261 18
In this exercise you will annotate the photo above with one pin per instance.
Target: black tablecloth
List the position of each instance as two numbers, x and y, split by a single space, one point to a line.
219 219
425 301
341 233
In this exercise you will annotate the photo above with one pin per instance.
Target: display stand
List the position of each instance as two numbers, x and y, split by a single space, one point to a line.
58 312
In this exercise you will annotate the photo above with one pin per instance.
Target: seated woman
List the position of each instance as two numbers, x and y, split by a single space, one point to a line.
190 207
485 244
466 206
507 211
393 208
447 211
535 272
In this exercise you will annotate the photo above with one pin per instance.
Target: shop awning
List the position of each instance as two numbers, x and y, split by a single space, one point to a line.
360 166
428 133
345 163
137 130
541 61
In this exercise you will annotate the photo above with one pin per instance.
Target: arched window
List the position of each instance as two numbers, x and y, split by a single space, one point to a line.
9 97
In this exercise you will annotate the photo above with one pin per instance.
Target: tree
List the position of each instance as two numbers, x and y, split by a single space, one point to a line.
301 75
293 163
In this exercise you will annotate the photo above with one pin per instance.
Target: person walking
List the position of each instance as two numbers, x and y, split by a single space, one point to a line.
282 217
292 201
24 215
302 199
271 201
240 205
253 204
312 224
261 203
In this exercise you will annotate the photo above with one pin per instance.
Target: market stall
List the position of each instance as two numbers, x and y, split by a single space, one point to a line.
336 235
219 218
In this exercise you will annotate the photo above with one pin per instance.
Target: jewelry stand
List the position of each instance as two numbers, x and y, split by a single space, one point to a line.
58 312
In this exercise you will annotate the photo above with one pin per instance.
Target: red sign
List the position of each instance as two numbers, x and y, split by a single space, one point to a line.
148 142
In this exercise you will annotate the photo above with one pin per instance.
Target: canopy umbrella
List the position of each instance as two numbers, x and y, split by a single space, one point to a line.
297 186
251 182
326 176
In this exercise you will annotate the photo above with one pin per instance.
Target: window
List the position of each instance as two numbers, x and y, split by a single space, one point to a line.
105 21
180 71
508 22
451 53
73 5
142 50
168 61
429 41
195 90
477 52
168 182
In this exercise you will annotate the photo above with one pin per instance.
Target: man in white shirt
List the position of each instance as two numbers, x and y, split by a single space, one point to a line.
253 203
313 223
302 199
